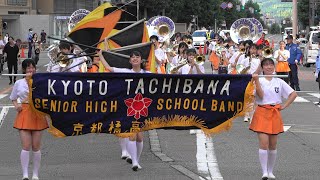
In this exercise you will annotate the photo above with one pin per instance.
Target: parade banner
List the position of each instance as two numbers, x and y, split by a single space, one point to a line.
122 104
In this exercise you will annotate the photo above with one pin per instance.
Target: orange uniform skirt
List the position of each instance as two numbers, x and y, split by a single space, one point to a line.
28 119
282 66
267 119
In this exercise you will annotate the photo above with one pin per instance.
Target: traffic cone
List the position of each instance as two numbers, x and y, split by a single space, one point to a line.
200 50
205 49
22 55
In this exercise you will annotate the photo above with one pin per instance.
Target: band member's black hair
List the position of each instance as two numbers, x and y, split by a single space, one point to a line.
64 45
248 54
267 61
249 42
182 44
26 63
154 37
135 53
191 51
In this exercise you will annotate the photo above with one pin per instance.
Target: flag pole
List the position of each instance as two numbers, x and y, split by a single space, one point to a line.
131 46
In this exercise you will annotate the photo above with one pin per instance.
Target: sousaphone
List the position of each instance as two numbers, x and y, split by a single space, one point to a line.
76 17
242 29
161 26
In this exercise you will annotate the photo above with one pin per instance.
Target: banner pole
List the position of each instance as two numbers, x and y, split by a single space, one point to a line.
274 75
12 74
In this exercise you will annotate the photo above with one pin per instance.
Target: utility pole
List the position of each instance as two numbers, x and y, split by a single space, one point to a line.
295 18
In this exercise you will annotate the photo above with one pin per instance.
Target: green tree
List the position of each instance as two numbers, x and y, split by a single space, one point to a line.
275 28
231 15
303 12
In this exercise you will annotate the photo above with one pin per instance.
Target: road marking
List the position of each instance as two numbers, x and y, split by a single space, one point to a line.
286 128
3 95
6 90
187 172
317 95
3 114
206 160
306 132
306 92
300 99
6 105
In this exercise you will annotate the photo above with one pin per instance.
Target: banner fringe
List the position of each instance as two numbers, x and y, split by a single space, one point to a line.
52 130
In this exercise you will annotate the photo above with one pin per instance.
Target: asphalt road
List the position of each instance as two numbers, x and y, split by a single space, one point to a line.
172 154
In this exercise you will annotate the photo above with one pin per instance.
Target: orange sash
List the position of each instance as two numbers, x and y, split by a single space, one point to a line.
267 119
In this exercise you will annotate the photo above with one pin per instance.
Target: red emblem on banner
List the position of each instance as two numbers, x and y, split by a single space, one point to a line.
138 106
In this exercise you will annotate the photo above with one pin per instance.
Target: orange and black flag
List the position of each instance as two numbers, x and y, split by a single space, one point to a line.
120 57
96 25
134 34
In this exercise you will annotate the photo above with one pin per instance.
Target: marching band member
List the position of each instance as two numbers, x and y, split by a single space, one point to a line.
182 46
267 120
135 143
192 67
160 55
29 124
223 61
214 57
74 66
251 64
95 65
237 56
282 55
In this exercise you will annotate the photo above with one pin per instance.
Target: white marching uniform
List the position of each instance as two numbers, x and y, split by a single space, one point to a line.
75 68
186 69
161 56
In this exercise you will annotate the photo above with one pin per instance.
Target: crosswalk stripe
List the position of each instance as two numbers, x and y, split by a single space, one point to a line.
317 95
300 99
3 114
3 95
286 128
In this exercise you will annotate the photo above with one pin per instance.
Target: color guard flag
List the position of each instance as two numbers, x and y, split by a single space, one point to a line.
122 103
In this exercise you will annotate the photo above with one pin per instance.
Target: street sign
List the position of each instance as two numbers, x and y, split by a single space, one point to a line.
230 5
224 5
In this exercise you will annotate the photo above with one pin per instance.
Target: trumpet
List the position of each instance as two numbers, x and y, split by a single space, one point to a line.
188 41
200 59
267 52
242 50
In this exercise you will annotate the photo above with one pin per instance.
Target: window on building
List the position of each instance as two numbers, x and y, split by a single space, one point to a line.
69 6
17 2
17 12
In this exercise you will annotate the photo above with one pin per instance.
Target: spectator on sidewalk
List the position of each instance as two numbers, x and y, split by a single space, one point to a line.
11 50
295 55
29 38
2 44
6 38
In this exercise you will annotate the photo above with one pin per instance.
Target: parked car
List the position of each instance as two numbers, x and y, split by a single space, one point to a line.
199 37
311 49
